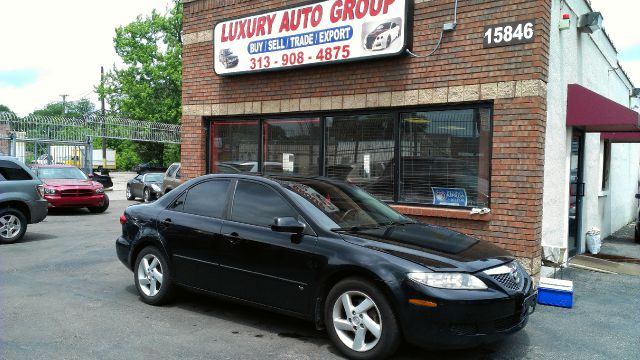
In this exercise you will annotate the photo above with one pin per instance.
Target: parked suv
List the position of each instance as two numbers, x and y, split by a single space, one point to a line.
171 178
21 202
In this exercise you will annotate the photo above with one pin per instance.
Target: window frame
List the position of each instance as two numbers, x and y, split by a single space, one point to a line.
396 114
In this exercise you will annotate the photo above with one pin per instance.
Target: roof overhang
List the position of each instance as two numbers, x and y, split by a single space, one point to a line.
621 137
595 113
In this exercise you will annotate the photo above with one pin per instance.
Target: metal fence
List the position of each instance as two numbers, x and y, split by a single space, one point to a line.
61 129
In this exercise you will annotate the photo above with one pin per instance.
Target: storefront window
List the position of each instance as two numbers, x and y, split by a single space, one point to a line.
234 146
437 158
360 150
291 146
444 157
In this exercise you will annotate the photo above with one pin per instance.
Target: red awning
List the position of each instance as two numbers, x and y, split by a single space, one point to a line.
595 113
621 137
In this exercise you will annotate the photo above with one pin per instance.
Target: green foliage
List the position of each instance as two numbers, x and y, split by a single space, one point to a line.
74 109
126 155
4 108
149 86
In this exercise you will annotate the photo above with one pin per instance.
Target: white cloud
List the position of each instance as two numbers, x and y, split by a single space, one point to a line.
620 21
66 42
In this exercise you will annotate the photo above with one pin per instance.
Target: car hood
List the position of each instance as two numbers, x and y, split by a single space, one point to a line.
437 248
376 33
70 183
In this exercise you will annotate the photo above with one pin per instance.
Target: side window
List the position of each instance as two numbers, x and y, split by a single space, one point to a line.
178 174
257 204
170 171
11 171
208 198
178 204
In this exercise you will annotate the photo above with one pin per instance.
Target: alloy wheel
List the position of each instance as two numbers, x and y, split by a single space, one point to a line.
357 321
10 226
150 275
147 195
128 192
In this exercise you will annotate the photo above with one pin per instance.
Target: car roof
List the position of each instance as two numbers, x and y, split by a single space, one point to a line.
273 179
53 166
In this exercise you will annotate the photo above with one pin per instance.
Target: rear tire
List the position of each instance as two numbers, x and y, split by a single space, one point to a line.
13 225
369 330
100 209
152 277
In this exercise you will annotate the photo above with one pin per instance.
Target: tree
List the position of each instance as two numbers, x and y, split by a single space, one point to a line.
149 86
70 109
4 108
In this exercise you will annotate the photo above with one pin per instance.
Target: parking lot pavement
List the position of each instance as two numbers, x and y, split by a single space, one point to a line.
65 295
117 192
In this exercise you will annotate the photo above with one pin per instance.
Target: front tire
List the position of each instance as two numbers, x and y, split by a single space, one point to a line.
152 276
129 194
13 225
146 195
636 236
360 320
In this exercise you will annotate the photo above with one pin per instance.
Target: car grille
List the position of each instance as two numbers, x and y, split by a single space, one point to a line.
507 281
76 192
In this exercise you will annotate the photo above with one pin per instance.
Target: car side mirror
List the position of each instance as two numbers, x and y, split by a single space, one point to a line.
638 196
287 225
90 176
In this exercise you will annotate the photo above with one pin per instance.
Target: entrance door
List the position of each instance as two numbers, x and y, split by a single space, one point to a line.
576 191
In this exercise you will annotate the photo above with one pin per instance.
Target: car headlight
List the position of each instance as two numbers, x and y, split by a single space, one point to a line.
457 281
49 191
100 191
155 187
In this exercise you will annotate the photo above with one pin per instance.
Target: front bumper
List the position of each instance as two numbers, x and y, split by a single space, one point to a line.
57 201
123 249
457 324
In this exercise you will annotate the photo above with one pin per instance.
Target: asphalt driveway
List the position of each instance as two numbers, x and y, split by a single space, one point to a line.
65 295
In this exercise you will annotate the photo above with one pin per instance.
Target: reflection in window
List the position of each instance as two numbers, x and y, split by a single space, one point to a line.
444 157
234 146
291 146
257 204
360 151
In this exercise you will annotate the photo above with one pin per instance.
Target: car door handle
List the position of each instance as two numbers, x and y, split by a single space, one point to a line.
233 237
165 223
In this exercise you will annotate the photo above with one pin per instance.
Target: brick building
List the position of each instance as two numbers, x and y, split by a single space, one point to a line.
456 124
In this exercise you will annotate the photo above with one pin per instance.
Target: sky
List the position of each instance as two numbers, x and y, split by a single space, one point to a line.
50 48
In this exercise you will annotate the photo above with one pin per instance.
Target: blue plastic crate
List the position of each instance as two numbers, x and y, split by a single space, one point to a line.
555 293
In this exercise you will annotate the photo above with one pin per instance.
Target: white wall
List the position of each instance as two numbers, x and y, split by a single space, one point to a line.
587 60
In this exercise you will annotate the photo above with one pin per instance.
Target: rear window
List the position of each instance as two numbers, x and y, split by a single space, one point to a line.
11 171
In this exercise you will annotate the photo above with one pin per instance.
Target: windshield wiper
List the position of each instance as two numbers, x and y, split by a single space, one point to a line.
356 228
398 223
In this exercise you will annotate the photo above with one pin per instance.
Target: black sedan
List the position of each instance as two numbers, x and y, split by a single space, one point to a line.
147 186
328 252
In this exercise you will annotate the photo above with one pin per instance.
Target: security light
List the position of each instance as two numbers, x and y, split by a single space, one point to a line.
635 92
590 22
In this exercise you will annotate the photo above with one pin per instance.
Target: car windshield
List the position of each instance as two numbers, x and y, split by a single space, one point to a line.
154 177
61 173
340 205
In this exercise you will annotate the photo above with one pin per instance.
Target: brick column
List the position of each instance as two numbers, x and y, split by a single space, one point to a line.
193 151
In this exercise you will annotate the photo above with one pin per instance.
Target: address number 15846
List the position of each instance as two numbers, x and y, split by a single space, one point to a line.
509 34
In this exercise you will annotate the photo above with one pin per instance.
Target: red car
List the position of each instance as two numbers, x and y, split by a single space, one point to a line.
66 186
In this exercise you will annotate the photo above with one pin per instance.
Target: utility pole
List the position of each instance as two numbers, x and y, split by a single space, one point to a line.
104 127
64 103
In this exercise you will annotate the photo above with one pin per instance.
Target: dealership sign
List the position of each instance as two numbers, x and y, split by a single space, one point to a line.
318 33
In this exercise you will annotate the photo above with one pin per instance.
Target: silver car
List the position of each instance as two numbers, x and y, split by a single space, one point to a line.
21 200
